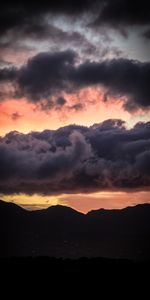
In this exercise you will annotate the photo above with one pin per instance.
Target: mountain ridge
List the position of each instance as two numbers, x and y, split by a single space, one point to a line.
63 232
61 207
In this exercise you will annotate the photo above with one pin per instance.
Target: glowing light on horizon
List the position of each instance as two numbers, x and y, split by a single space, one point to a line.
30 118
81 202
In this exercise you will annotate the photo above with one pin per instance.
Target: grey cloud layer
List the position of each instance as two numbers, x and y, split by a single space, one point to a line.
74 159
51 74
22 20
15 14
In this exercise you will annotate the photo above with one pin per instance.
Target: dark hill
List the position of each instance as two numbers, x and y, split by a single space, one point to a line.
63 232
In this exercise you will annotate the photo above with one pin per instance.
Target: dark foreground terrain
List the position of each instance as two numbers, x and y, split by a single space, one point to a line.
63 233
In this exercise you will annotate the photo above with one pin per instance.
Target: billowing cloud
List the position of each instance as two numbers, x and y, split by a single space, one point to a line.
45 74
76 159
51 74
120 77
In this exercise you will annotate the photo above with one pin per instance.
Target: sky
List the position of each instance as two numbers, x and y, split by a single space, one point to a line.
75 103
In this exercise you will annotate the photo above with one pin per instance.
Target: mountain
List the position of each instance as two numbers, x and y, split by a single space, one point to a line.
63 232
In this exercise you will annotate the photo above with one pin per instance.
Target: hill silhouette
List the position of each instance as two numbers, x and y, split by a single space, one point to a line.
63 232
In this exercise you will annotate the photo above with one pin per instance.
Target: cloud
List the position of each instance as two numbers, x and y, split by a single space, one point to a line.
122 13
8 74
48 75
76 159
120 77
44 75
15 15
4 63
61 101
15 116
26 27
146 34
42 32
77 107
21 21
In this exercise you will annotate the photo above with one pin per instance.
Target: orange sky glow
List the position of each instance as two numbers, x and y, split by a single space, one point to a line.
82 202
23 116
32 118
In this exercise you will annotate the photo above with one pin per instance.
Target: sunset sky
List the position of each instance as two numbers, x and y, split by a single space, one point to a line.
75 103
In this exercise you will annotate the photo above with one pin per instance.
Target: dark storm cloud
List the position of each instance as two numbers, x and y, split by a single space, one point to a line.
15 14
61 101
8 74
121 78
146 34
45 73
29 17
119 13
51 74
42 31
43 76
22 21
105 156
